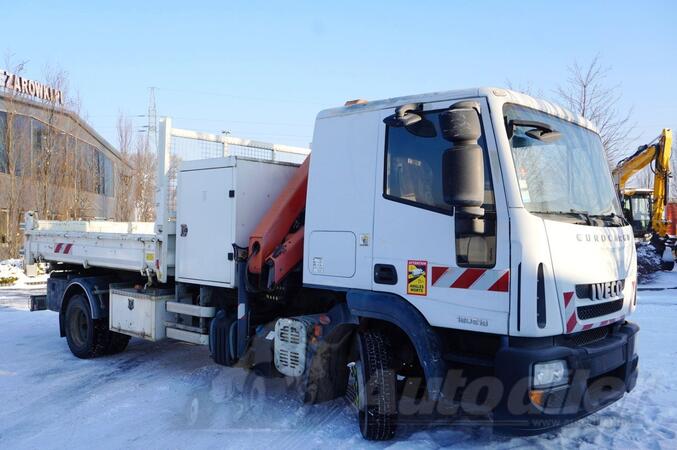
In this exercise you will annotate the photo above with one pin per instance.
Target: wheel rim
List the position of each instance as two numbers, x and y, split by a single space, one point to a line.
79 328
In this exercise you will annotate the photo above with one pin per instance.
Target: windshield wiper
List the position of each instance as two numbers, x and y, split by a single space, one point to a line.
571 213
614 218
584 214
608 219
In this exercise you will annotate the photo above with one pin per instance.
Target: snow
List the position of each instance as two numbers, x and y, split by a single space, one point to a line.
171 395
13 268
10 268
648 261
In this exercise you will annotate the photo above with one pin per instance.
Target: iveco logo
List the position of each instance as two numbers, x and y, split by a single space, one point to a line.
606 291
603 237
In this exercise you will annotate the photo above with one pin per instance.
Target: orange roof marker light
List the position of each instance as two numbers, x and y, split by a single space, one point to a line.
359 101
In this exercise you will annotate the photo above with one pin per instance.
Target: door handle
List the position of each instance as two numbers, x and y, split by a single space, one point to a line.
385 274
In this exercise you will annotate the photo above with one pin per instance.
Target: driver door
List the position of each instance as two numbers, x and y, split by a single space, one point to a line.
456 281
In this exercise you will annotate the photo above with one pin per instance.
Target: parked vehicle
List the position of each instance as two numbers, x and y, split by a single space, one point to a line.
473 232
645 209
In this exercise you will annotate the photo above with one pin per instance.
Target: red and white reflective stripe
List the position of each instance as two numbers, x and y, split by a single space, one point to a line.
65 247
572 324
473 278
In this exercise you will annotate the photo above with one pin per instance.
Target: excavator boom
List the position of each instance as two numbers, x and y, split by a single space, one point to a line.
659 152
661 183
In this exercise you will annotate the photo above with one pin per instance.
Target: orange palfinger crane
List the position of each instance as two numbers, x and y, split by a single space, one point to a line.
276 245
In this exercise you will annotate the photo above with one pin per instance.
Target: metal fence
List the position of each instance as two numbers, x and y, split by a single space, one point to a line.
176 145
185 145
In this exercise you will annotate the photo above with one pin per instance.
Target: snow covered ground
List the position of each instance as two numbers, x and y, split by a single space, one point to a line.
171 395
13 269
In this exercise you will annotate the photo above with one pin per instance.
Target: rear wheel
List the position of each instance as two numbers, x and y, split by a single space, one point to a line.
373 384
82 333
88 337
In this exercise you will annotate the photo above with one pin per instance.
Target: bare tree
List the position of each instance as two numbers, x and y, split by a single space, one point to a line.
144 163
135 188
587 93
44 135
58 167
124 207
16 155
44 166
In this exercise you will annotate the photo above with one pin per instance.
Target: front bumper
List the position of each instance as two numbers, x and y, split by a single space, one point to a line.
599 374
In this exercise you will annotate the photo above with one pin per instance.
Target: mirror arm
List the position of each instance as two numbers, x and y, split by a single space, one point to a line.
405 115
510 126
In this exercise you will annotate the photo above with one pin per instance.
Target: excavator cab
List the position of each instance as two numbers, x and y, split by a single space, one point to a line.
637 210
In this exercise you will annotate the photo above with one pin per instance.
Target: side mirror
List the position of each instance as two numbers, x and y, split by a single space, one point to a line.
410 117
463 166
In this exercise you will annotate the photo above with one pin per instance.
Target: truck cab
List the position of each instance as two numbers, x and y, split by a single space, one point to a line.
551 271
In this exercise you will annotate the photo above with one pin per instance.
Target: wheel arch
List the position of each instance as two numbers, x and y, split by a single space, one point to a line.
87 288
395 310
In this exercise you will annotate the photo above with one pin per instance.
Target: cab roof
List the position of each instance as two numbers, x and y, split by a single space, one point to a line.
500 94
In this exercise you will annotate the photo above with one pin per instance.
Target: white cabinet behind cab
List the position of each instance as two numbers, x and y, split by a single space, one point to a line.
219 202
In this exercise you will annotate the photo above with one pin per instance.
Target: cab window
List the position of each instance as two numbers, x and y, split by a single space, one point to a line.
413 175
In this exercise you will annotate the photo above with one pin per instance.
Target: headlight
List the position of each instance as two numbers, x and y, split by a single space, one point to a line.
549 374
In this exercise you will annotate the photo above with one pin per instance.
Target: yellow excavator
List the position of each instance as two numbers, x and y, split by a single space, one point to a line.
645 208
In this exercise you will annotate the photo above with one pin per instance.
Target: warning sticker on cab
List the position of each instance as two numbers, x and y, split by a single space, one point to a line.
417 277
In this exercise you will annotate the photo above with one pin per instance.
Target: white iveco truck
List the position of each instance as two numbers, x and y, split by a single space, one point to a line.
461 249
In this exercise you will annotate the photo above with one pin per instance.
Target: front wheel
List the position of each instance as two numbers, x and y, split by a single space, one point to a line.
373 384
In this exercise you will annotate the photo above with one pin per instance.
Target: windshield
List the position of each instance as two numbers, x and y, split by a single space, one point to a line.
565 177
640 209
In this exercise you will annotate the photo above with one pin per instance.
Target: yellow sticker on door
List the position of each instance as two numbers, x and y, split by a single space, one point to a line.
417 277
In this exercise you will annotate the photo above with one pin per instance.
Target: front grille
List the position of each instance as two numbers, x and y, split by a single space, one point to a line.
589 336
599 309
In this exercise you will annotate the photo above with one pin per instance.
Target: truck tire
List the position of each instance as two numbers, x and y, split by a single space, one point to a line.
117 343
377 405
86 337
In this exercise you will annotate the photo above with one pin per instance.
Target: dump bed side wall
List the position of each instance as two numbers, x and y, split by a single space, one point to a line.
124 251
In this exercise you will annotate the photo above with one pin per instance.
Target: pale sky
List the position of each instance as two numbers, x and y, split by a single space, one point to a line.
264 69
